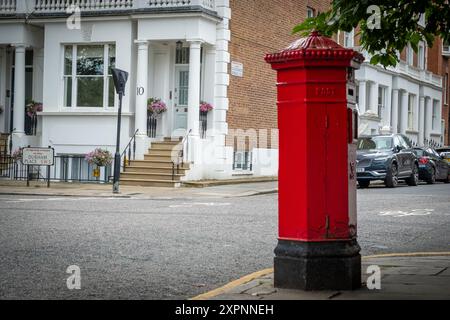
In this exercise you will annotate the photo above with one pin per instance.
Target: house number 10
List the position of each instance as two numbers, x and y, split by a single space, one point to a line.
140 91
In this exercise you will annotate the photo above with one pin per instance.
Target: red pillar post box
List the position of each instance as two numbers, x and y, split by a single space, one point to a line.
317 247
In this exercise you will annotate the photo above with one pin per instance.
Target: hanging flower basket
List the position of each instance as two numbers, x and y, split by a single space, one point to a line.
156 106
33 108
99 157
205 107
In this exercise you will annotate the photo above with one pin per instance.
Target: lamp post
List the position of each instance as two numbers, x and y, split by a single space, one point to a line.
120 78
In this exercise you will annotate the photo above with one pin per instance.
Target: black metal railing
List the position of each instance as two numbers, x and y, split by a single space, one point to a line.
203 124
152 125
243 160
31 125
129 153
66 168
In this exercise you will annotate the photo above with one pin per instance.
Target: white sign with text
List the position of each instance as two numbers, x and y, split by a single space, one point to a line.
38 156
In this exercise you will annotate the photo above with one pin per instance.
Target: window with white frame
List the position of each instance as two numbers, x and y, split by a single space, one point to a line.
242 161
411 102
310 12
409 55
381 100
421 56
349 39
446 88
88 79
435 119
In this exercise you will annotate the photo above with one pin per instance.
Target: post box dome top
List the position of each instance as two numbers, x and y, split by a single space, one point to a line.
314 46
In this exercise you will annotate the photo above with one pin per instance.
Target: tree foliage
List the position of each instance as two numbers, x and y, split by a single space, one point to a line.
386 27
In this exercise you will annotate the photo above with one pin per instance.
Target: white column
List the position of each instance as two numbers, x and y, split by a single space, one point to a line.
194 87
374 98
362 104
388 111
421 126
404 112
428 117
19 91
394 112
141 87
140 120
209 84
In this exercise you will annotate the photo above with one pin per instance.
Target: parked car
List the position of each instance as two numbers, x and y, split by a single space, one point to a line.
389 158
432 167
445 153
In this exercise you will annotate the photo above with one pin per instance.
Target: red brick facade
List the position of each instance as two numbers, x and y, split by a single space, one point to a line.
259 27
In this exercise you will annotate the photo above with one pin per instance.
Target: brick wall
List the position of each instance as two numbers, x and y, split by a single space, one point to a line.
259 27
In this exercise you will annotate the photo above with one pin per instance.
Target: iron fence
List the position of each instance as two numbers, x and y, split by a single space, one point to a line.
152 125
203 124
66 168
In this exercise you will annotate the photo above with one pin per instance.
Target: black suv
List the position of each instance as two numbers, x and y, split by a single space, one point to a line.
389 158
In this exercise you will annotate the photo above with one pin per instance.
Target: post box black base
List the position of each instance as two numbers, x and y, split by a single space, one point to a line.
318 266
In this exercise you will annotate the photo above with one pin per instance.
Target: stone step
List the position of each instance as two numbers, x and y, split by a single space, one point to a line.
155 164
151 176
166 146
167 158
137 169
164 153
150 183
178 140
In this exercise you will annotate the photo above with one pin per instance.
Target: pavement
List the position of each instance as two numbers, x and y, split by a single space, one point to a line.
421 276
205 189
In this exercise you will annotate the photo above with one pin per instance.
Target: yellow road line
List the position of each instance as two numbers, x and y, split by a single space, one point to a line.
234 284
262 273
413 254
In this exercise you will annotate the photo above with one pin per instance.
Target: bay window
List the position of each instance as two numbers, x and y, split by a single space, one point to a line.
87 76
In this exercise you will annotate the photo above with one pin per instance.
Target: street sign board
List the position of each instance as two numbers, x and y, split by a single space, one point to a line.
38 156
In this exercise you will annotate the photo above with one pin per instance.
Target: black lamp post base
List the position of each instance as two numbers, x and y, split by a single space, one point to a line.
312 266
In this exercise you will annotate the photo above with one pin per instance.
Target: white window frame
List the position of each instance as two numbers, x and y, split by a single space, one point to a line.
445 87
409 55
411 104
310 12
421 56
435 115
382 94
349 39
74 76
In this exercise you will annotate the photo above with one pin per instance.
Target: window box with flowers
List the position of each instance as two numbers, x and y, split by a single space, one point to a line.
205 108
155 108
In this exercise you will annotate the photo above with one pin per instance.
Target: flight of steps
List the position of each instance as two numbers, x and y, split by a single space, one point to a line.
156 170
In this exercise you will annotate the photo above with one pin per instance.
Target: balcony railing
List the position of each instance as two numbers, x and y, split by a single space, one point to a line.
10 7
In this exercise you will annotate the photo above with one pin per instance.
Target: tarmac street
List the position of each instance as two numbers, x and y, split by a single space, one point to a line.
177 247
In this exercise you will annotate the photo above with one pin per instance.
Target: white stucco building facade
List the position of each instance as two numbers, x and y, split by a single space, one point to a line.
405 99
176 51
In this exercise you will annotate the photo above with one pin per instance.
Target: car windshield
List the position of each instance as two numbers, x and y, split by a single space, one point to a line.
375 143
419 152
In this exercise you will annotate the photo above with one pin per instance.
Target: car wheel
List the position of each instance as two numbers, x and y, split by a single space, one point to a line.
413 180
364 184
392 177
432 178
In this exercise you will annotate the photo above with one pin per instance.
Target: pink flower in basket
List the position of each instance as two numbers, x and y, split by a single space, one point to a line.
156 106
33 108
206 107
99 157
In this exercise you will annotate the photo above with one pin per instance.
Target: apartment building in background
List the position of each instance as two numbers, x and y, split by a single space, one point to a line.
184 52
